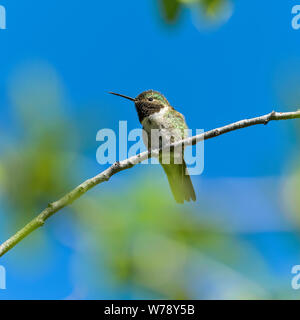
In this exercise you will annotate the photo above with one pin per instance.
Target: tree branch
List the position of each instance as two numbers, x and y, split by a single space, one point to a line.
129 163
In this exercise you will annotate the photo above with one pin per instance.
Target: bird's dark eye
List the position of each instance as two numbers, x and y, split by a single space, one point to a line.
150 99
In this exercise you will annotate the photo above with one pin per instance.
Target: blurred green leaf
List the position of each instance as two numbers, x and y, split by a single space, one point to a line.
170 9
35 164
207 9
211 7
149 242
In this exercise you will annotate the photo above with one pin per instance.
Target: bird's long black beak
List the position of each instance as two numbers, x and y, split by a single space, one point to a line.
121 95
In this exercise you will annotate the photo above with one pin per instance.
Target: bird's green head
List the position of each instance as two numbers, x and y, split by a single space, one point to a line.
153 97
147 103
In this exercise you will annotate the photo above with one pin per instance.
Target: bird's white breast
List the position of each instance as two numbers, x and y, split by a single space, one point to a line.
155 120
156 126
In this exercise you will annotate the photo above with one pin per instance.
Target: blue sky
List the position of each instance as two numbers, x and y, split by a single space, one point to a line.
244 68
212 77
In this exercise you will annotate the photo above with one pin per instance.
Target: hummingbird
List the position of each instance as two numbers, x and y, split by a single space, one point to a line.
155 112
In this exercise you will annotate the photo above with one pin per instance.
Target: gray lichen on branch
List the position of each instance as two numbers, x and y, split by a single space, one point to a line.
80 190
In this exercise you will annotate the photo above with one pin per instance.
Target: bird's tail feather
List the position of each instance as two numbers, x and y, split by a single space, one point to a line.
180 182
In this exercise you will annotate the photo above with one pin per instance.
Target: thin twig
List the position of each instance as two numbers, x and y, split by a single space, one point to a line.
129 163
